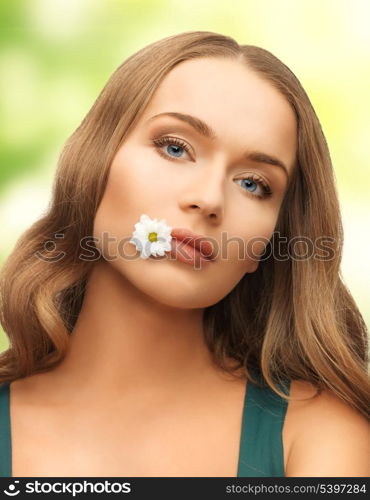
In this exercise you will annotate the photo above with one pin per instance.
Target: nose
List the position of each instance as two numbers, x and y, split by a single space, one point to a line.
205 194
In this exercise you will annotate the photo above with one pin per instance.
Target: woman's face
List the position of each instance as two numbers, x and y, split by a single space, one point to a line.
207 185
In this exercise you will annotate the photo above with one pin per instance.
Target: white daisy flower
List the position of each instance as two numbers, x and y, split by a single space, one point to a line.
151 237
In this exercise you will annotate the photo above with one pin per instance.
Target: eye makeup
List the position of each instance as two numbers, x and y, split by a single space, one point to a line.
160 142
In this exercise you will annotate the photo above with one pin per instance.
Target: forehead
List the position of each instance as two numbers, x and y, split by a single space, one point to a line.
241 107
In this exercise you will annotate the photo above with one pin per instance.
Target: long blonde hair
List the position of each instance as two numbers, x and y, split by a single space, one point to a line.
290 319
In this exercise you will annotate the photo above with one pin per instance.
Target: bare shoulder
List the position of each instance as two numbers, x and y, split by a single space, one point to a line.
329 437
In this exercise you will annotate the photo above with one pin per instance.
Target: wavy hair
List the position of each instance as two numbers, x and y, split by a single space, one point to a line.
290 319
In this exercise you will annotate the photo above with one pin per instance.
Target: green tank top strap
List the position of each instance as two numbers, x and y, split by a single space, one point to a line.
5 436
261 447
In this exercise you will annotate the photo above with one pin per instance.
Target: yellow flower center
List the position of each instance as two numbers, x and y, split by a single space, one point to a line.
152 237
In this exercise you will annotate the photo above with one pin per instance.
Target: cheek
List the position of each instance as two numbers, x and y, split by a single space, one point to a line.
139 180
116 215
127 195
242 253
131 190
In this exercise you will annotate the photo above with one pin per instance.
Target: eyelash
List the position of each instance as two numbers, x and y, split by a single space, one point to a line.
161 141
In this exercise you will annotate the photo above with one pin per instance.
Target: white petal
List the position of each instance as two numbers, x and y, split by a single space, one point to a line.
139 227
166 234
162 225
145 254
143 235
145 218
155 246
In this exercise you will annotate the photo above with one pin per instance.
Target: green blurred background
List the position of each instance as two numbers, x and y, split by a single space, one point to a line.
56 55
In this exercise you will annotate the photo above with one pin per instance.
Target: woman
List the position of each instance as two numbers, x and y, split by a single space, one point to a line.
237 365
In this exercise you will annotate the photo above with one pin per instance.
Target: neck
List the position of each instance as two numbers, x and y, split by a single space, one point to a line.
125 341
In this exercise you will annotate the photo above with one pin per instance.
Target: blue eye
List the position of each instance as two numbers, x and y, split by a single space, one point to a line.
175 149
176 144
252 182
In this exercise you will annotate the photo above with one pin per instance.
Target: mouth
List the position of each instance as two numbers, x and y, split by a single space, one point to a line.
187 253
189 247
196 242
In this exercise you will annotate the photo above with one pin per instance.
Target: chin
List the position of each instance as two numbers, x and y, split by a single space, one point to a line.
173 285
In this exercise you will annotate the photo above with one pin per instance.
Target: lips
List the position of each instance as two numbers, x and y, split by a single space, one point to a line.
198 241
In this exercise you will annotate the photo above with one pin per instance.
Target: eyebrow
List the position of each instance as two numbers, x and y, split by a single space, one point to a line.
204 129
